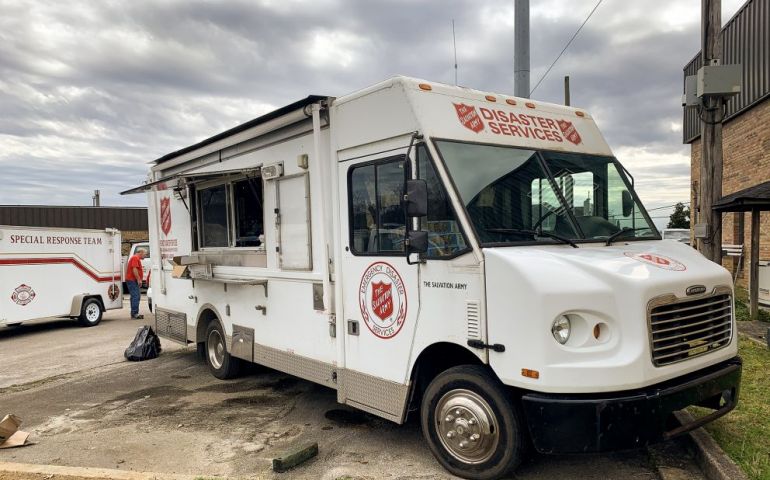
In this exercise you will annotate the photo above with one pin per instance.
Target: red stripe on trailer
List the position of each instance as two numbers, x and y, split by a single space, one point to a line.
58 261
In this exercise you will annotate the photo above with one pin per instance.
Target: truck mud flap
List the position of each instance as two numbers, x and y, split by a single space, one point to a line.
171 325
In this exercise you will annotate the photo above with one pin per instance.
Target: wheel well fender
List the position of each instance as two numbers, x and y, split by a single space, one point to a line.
433 360
207 314
80 299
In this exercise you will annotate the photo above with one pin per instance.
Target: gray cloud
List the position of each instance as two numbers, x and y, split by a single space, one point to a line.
91 91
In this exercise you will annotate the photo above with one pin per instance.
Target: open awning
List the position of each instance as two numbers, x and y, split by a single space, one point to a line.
201 174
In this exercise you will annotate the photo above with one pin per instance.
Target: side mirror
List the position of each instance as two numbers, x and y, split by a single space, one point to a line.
628 203
416 198
416 241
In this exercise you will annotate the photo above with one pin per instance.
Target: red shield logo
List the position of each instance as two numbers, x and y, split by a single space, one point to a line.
382 299
165 215
570 132
469 117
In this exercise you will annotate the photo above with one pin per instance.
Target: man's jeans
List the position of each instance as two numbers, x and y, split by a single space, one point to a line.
133 289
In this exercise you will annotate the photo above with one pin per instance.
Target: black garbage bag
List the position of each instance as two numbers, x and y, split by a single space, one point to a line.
145 346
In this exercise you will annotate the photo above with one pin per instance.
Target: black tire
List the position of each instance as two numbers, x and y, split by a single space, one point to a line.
221 364
469 394
90 313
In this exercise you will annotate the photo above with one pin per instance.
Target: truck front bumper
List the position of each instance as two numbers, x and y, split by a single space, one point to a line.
631 419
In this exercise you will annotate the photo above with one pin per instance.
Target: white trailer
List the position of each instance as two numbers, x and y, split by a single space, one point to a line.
55 272
479 260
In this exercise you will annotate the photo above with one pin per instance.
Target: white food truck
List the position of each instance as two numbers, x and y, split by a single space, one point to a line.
55 272
478 260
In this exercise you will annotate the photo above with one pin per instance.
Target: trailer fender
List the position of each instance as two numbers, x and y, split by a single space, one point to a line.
79 299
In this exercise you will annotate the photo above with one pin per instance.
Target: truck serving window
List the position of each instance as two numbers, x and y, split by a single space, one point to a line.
377 224
247 202
230 214
213 216
512 194
445 238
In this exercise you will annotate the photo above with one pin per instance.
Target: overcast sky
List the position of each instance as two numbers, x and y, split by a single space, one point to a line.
90 91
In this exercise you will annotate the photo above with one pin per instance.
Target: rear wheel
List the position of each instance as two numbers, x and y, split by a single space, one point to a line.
472 426
90 313
220 362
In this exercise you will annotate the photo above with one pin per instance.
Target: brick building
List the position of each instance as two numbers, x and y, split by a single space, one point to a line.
746 129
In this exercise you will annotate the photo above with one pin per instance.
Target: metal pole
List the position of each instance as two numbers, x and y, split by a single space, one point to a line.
96 200
566 90
454 46
521 49
711 137
754 266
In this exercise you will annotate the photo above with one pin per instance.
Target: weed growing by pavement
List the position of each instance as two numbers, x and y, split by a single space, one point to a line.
744 432
742 307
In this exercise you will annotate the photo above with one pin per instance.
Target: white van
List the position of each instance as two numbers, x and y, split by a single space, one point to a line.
476 259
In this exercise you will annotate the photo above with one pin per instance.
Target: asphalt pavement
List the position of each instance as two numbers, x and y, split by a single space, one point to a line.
86 406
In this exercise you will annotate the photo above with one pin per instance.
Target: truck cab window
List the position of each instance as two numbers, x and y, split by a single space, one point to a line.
213 216
445 237
247 202
377 224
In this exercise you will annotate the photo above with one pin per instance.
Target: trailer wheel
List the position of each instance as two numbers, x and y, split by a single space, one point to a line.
472 426
220 362
90 313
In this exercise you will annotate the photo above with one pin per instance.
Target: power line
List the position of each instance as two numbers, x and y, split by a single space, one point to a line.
565 47
667 206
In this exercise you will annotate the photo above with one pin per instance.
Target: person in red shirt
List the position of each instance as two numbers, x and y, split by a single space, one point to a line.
134 276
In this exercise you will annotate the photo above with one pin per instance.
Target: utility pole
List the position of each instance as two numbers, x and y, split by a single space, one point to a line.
521 49
711 135
566 91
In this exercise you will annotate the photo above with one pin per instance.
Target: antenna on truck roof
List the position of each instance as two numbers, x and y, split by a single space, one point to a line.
454 43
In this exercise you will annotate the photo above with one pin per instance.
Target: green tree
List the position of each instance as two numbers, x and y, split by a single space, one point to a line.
681 217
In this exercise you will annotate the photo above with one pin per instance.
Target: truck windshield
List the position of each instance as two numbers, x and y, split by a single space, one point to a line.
512 194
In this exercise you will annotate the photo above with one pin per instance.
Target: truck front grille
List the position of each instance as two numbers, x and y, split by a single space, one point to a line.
683 329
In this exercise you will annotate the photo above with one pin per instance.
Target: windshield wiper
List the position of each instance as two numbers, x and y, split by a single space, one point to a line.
622 232
536 233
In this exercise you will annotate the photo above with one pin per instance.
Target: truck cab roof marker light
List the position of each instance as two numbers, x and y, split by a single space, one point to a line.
580 114
510 101
530 105
490 98
425 86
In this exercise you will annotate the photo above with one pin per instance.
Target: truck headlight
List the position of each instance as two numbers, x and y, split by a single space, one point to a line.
561 329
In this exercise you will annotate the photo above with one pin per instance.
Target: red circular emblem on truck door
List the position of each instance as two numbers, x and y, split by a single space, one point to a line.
382 299
23 295
657 261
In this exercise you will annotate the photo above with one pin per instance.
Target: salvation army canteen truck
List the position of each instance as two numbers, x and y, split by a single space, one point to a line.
56 272
474 259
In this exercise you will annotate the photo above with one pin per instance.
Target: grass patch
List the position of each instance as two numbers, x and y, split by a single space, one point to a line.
744 433
742 307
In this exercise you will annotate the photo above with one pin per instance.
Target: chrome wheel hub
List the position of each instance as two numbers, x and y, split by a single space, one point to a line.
216 349
466 426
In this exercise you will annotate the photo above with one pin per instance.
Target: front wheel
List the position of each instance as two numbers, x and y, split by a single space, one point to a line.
472 426
221 364
90 313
